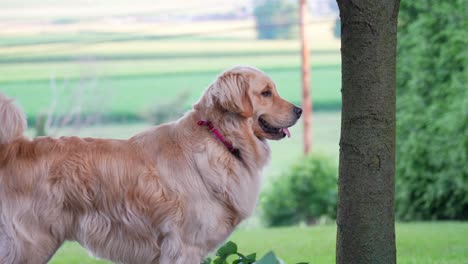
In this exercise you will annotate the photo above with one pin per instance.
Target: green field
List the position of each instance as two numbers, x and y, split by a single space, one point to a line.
417 243
73 58
133 67
133 83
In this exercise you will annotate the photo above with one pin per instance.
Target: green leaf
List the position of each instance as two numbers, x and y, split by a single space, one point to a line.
302 263
206 261
241 256
269 258
244 260
252 256
227 249
220 260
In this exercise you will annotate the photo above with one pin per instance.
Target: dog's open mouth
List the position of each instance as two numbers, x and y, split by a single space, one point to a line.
275 131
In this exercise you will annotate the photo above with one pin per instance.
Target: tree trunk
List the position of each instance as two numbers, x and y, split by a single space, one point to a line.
366 227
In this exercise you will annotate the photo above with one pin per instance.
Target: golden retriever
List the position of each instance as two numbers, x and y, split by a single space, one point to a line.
168 195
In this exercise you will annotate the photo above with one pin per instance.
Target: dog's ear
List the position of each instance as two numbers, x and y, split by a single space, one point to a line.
232 93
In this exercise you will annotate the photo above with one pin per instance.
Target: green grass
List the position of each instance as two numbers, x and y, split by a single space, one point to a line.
138 93
424 243
103 43
417 243
134 78
144 65
136 75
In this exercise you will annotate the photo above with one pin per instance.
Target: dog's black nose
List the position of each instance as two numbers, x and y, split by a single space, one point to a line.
297 111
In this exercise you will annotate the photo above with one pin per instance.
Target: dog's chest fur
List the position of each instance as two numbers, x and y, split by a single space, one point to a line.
216 189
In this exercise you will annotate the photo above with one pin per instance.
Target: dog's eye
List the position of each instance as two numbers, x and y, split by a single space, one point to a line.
266 93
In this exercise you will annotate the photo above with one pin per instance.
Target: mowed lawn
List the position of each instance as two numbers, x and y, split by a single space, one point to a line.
417 243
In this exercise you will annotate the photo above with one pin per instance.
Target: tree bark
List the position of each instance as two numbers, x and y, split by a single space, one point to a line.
366 226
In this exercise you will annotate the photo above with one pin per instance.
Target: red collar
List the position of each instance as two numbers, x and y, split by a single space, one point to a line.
218 135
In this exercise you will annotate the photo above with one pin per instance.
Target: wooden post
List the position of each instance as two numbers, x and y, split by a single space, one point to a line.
306 98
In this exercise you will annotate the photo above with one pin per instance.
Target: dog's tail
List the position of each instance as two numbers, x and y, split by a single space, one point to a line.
12 120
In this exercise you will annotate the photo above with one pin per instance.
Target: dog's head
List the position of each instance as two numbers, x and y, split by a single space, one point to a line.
250 93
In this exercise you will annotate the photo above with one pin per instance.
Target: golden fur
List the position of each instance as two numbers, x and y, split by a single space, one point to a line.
168 195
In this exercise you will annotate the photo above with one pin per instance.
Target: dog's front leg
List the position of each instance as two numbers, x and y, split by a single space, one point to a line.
174 251
180 259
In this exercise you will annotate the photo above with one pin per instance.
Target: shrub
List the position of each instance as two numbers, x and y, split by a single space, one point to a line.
229 250
276 19
303 194
432 111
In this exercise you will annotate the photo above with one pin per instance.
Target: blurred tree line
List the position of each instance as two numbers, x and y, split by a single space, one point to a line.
432 111
276 19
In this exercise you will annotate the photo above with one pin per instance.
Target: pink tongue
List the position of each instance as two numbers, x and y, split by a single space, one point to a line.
286 131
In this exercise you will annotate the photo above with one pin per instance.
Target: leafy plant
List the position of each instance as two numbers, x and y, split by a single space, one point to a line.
304 193
230 249
432 111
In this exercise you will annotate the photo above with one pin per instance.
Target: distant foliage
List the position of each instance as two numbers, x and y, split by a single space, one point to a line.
64 21
168 111
337 28
276 19
432 111
305 193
